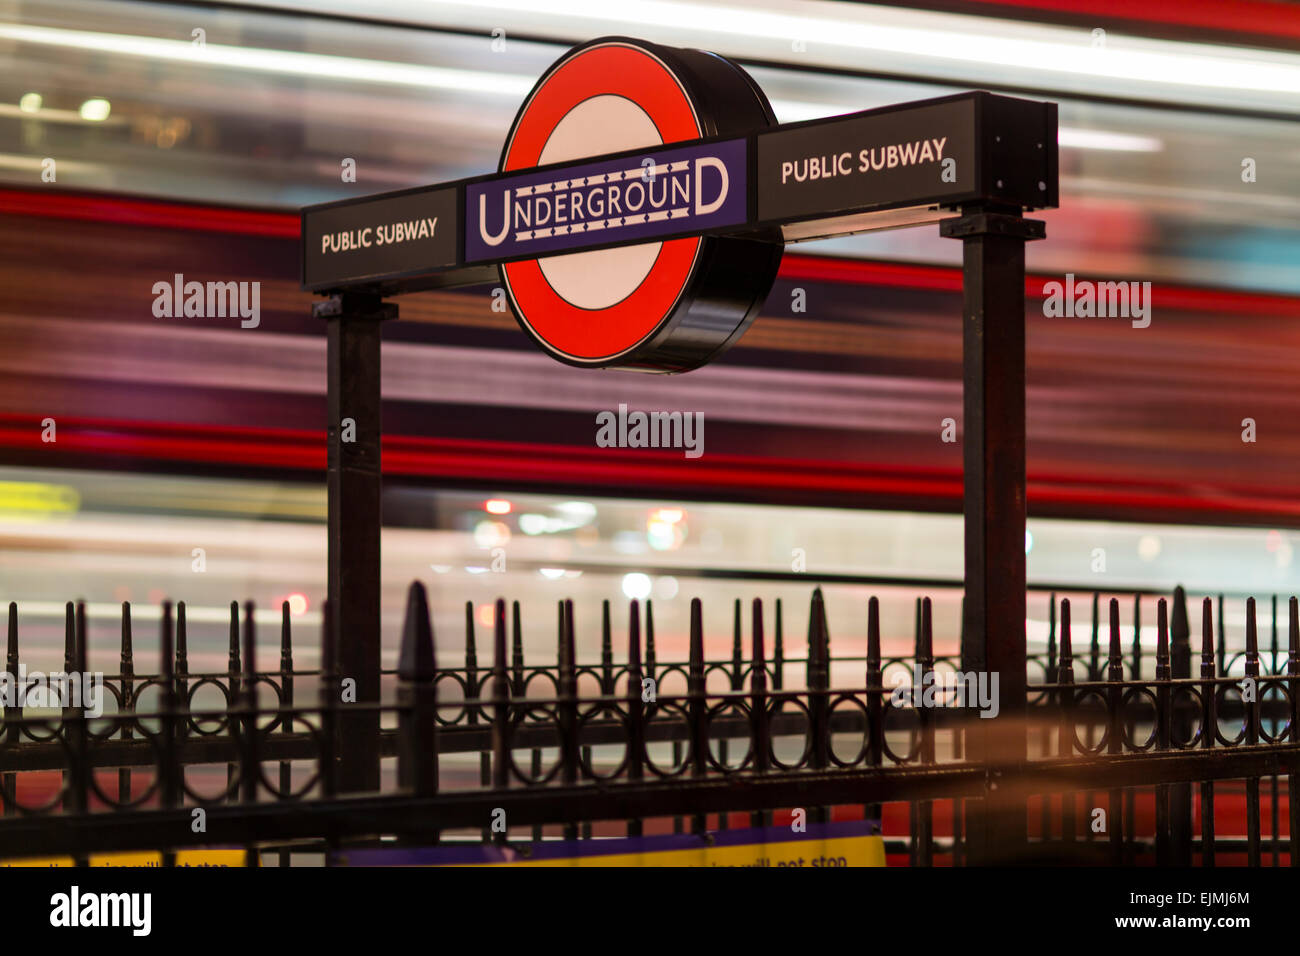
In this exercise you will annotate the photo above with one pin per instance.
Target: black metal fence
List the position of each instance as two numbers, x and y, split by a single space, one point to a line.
1130 758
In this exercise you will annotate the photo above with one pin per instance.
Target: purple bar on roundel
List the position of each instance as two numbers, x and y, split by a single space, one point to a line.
638 198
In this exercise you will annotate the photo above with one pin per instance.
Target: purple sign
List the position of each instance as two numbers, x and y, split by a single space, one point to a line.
688 189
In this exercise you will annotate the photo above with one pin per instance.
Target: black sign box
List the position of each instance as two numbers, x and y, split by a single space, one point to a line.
412 232
871 170
973 146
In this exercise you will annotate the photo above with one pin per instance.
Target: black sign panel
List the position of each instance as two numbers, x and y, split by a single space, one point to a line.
397 234
880 159
872 170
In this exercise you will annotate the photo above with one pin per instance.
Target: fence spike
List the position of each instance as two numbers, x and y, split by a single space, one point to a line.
69 637
778 651
570 749
471 646
818 642
127 702
649 639
14 713
181 670
1065 673
416 658
826 634
1051 633
559 639
1209 722
500 703
1162 641
248 763
1137 637
167 768
182 642
696 665
874 677
818 704
286 638
472 691
1272 646
1114 733
233 674
1065 731
818 623
873 640
635 705
925 640
1115 662
328 694
1207 638
606 650
517 648
1094 662
248 759
128 652
1293 646
1252 638
1252 736
80 652
499 641
1209 727
1180 639
166 648
570 647
1180 629
1223 639
417 671
250 651
916 626
737 652
634 650
697 706
12 644
875 704
814 643
77 777
233 661
286 701
761 730
925 717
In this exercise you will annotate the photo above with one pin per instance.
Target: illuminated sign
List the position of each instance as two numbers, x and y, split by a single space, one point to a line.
648 304
645 193
851 843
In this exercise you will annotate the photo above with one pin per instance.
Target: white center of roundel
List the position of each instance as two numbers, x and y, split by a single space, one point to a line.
605 277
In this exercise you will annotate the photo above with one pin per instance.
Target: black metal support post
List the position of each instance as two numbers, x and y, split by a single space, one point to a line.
993 638
1180 795
354 489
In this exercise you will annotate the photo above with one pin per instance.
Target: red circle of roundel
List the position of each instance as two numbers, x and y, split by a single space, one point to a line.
637 75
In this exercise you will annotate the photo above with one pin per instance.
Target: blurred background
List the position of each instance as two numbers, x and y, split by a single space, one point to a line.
140 140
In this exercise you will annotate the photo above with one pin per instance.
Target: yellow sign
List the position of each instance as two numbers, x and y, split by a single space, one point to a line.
845 851
844 844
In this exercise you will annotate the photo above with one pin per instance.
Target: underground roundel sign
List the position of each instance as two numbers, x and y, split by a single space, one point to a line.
653 305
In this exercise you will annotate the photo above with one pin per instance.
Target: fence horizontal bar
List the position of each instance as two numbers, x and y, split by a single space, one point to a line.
137 752
407 816
477 738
